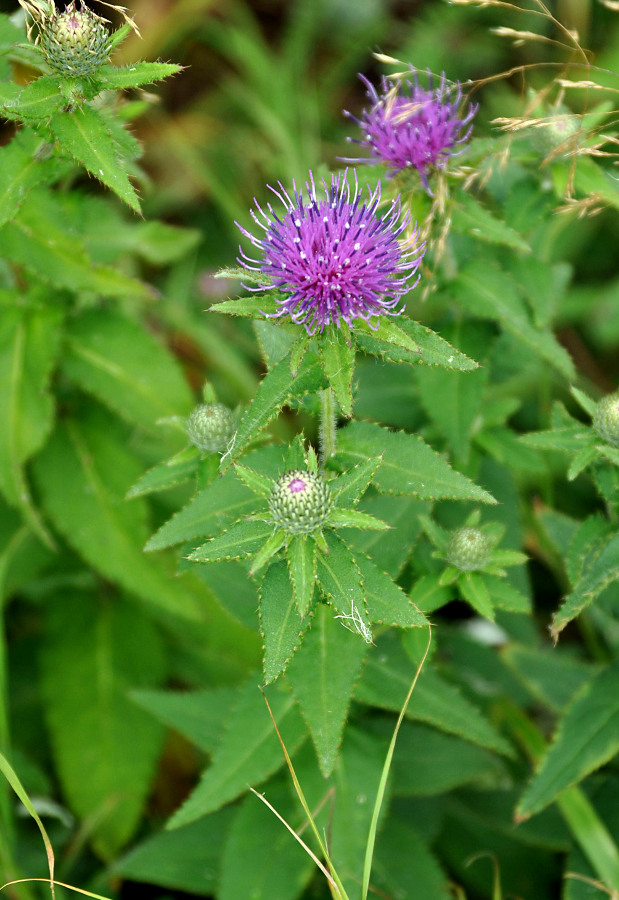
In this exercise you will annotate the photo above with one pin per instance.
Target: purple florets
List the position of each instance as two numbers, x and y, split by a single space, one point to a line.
331 257
420 129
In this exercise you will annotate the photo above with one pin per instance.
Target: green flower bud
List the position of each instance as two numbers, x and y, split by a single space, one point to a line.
210 427
553 132
76 42
300 502
606 418
468 549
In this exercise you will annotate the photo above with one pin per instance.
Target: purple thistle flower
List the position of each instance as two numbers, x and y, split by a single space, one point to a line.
417 131
331 257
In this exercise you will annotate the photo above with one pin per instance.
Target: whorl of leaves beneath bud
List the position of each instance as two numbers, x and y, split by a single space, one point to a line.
468 549
75 42
300 502
210 427
606 418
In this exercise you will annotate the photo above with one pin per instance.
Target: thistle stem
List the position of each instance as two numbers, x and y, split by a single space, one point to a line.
326 431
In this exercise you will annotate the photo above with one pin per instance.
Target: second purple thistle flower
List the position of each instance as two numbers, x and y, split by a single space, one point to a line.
407 126
332 257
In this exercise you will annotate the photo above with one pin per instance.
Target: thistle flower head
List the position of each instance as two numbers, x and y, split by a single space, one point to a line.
332 257
300 502
606 418
210 427
468 549
408 126
75 42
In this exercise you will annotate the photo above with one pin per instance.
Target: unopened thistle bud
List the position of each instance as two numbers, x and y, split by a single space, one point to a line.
75 42
300 502
553 131
210 427
606 418
468 549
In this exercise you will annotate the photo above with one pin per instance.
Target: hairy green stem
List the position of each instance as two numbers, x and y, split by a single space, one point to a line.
328 418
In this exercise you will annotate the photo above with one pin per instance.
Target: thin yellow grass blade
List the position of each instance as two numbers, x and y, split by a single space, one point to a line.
69 887
335 883
382 786
11 776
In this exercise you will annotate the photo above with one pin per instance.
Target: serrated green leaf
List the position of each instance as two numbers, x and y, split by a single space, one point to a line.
390 549
340 579
105 748
21 171
337 355
349 487
34 103
610 453
470 217
580 462
171 473
275 340
213 508
85 136
587 541
274 542
412 343
255 307
405 866
564 440
385 683
503 446
322 674
119 362
183 860
302 567
409 465
585 402
487 291
256 482
586 738
43 240
274 390
240 540
354 518
133 76
604 570
543 285
272 866
475 591
280 622
249 751
386 601
83 475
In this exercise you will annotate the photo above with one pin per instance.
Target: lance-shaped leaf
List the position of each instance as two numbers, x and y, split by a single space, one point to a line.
323 674
249 751
85 136
21 171
105 748
240 540
256 482
348 489
565 440
339 578
275 389
354 518
337 355
587 737
386 601
409 465
83 474
595 578
119 362
36 102
171 473
133 76
29 344
410 342
257 306
302 566
474 590
280 622
386 680
470 217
